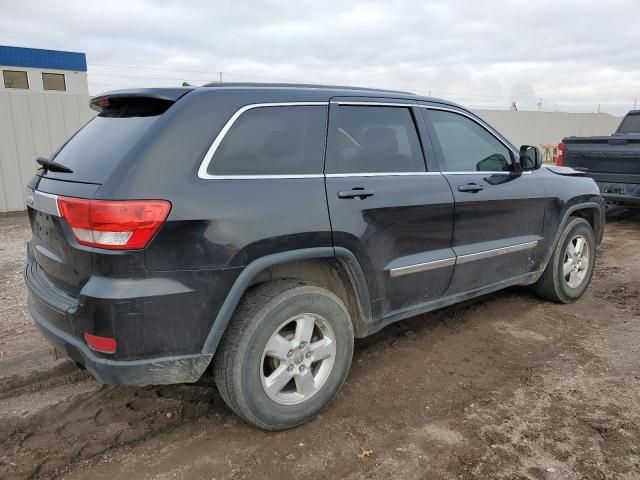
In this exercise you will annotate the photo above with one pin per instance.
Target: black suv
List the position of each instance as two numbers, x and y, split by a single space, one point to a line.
260 228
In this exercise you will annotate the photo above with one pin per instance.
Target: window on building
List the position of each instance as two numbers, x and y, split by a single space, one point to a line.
466 146
15 79
286 140
54 81
371 139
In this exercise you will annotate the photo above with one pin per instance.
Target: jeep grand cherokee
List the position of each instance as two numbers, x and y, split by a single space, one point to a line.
260 228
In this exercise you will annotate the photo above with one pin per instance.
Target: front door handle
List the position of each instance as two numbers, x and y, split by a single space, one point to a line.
357 192
470 187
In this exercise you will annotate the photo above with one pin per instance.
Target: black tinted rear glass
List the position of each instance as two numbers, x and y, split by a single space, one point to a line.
287 140
95 150
630 124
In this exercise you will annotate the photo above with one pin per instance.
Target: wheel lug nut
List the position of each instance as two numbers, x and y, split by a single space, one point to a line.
308 355
302 345
302 368
290 368
290 353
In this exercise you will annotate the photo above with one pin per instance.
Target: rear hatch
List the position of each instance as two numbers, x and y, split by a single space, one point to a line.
79 168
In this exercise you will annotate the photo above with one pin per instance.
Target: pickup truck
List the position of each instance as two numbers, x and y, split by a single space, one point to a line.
613 162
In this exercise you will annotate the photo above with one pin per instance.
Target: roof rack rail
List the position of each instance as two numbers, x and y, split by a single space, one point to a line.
302 85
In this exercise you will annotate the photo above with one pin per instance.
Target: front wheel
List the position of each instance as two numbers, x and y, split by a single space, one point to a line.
285 355
570 268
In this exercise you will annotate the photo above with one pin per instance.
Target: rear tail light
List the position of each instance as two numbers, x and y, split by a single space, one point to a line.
560 157
114 224
101 344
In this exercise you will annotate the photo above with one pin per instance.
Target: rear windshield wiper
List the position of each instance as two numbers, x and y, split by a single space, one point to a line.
52 166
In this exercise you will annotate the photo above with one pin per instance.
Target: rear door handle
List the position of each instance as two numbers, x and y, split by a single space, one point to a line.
357 192
470 187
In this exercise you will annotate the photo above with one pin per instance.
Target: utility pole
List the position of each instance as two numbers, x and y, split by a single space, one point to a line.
220 77
540 105
634 104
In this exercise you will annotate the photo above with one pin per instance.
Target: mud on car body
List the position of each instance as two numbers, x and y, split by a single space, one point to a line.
260 228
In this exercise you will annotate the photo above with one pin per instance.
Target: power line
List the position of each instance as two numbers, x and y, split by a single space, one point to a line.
215 73
477 100
218 73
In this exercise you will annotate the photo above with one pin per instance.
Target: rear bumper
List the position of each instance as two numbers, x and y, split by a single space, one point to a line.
620 193
62 319
622 200
155 371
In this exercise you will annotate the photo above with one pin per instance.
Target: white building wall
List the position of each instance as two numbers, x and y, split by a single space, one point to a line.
548 128
35 123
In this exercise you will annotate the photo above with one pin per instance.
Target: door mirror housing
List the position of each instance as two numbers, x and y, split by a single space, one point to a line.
530 158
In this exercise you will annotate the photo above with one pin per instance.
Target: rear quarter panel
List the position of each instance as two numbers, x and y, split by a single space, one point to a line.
216 227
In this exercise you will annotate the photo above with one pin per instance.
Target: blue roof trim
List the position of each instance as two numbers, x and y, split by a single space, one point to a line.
38 58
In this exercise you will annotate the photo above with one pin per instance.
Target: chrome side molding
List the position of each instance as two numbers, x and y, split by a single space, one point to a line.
471 257
422 267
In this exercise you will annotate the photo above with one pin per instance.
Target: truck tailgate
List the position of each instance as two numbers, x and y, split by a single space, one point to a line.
610 155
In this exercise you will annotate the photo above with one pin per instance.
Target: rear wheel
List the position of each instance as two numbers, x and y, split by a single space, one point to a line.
570 268
285 354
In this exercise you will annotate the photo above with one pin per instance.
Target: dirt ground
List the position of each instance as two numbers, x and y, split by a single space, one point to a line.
505 387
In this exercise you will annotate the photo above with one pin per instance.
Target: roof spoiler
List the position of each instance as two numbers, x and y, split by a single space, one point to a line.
167 96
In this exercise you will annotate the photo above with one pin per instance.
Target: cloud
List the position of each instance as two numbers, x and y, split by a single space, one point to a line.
573 55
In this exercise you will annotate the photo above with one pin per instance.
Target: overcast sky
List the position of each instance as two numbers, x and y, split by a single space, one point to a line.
484 54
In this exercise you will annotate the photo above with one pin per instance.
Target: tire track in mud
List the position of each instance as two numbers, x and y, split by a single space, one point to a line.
86 419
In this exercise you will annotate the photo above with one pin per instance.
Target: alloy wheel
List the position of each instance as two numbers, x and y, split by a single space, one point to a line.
298 359
576 261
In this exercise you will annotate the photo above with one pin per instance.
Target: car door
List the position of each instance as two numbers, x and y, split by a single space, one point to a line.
385 206
499 210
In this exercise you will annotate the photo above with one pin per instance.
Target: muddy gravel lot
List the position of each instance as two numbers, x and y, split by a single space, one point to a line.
507 386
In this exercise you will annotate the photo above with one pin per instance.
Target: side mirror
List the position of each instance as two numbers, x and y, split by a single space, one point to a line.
493 163
530 157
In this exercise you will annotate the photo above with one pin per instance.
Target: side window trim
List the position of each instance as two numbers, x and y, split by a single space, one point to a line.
206 161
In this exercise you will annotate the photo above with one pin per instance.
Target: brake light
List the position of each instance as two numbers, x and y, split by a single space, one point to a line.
560 157
114 224
101 344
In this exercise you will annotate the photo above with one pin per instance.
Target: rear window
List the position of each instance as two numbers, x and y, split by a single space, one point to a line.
97 148
287 140
630 124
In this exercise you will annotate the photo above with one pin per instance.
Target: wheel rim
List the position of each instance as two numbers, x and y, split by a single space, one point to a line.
298 359
576 261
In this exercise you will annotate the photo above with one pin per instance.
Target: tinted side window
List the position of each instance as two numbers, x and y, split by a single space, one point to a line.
273 141
368 139
466 146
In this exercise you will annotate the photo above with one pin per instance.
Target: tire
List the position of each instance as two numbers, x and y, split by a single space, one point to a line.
244 369
554 285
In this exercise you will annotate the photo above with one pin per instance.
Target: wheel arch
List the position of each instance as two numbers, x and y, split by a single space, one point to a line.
335 269
590 211
592 214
